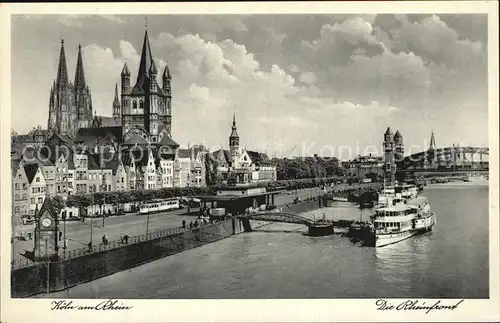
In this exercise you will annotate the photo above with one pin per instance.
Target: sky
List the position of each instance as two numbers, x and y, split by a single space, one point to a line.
298 84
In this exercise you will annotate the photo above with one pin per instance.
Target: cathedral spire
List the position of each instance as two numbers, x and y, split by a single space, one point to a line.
62 72
79 75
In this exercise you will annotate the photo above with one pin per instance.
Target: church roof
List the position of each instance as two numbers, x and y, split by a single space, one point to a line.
125 71
92 134
224 153
388 131
257 158
397 135
109 121
166 72
144 67
136 140
167 141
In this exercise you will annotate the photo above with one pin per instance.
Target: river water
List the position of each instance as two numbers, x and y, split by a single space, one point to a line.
279 261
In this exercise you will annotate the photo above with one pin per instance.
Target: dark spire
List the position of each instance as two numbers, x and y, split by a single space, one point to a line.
62 72
166 72
234 133
125 71
388 131
397 135
79 75
433 142
152 68
116 93
146 59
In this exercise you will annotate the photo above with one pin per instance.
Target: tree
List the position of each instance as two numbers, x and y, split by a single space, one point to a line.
58 203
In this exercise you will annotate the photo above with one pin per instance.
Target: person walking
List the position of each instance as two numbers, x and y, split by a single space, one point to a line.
184 224
90 246
190 225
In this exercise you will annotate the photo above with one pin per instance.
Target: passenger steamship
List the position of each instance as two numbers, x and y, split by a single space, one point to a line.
399 220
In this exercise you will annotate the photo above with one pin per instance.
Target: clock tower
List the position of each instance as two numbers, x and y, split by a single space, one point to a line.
46 232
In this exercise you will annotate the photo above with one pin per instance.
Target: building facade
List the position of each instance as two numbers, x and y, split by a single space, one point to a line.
241 166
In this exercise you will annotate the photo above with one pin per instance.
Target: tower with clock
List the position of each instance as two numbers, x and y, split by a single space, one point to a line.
46 232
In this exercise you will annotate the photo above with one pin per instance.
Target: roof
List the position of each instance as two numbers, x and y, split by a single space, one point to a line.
210 198
184 153
397 135
109 122
388 131
257 158
226 155
125 71
167 141
84 134
136 140
144 66
49 206
14 165
30 170
166 72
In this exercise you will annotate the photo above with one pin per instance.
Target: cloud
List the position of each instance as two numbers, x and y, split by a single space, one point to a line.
307 77
332 79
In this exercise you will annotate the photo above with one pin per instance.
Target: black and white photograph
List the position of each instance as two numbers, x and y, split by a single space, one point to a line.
309 155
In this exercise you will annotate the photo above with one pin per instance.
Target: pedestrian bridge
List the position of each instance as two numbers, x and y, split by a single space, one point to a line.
282 217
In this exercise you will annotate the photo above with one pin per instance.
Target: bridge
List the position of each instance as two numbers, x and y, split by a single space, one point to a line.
454 157
282 217
315 228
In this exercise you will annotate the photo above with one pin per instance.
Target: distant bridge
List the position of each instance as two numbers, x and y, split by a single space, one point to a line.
448 157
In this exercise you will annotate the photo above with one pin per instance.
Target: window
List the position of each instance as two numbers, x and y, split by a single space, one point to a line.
141 105
20 176
25 186
32 201
134 105
17 186
25 197
40 200
17 197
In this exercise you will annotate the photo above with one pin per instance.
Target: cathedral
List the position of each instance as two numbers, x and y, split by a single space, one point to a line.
70 104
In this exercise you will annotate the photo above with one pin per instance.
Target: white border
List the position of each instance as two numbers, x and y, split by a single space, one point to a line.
28 310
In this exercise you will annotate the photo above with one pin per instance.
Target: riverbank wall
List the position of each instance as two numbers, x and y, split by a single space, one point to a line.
66 273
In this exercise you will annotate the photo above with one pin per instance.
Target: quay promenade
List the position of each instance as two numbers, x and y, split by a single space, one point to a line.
78 233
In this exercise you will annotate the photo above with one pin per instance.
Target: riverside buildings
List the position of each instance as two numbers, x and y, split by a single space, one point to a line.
239 166
82 152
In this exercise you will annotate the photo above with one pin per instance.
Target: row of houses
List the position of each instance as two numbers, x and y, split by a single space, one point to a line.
62 166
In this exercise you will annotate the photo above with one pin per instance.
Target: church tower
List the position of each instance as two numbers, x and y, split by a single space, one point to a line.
70 104
234 144
389 162
83 101
116 106
399 149
146 107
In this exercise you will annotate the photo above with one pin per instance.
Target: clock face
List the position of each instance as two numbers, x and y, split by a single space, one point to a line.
46 222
